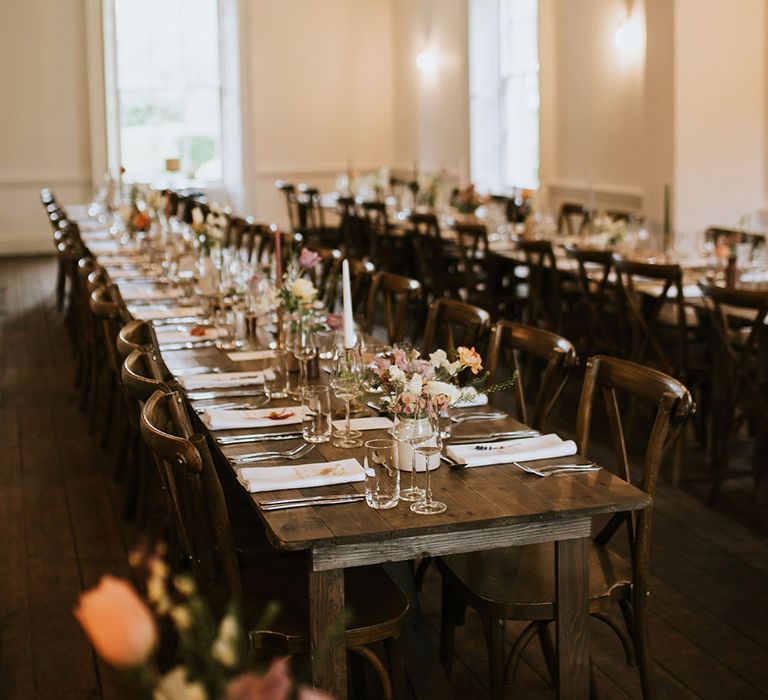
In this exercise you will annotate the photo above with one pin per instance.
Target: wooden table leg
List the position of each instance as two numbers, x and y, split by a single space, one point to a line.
572 595
326 624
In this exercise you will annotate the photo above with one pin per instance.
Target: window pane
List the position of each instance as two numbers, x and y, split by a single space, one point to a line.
168 87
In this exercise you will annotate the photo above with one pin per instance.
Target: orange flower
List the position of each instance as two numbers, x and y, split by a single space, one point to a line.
118 623
141 221
469 357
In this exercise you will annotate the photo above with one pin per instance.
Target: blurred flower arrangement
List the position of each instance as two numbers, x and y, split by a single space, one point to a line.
412 385
213 664
614 230
298 293
208 236
467 201
428 185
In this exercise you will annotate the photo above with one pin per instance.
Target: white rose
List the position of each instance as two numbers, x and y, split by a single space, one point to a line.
414 385
396 374
435 388
304 289
438 357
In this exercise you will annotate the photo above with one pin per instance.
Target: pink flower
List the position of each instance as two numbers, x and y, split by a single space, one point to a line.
118 623
334 321
308 258
469 357
381 365
400 358
276 684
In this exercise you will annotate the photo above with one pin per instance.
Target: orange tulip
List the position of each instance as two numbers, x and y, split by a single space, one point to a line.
118 623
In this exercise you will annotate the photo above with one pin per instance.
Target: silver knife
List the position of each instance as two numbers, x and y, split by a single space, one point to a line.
493 437
225 393
172 347
314 499
242 439
305 504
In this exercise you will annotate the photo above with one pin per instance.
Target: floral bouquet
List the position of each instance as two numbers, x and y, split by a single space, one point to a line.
207 235
614 230
298 294
413 386
467 200
213 664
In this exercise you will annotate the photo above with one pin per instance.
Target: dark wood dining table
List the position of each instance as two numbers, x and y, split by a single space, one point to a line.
488 507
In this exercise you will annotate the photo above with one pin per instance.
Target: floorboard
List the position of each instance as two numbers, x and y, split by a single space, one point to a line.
61 529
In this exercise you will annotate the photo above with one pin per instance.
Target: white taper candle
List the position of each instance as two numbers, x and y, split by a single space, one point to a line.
346 294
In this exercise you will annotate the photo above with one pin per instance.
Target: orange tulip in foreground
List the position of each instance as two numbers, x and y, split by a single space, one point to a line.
119 624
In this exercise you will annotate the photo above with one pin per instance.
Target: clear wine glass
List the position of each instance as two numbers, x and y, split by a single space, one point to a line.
411 431
428 445
346 380
304 347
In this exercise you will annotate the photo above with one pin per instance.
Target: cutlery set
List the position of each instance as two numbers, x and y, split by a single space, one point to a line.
296 453
286 503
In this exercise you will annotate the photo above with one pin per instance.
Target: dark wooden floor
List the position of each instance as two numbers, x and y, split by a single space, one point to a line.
61 528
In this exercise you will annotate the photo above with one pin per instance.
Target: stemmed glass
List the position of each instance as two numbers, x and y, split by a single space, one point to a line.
428 444
304 347
346 381
411 431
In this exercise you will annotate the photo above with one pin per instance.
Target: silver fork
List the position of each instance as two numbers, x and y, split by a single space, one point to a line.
559 468
295 453
495 415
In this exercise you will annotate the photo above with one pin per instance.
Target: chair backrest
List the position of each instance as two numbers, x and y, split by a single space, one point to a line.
395 295
472 239
544 303
740 337
574 217
200 512
310 200
644 325
612 378
325 275
507 341
354 236
142 374
729 236
292 204
595 292
361 273
233 232
428 245
452 323
106 305
379 232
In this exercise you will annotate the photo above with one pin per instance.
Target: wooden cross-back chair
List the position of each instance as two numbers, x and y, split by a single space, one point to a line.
645 345
437 262
396 296
361 276
325 276
597 298
353 235
544 298
452 323
574 218
288 191
290 244
518 583
507 341
234 231
203 519
729 236
740 382
472 240
382 248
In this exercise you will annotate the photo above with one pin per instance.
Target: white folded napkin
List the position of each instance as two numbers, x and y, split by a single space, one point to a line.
251 355
258 479
222 379
105 247
369 423
151 293
234 419
156 313
519 450
471 399
116 274
171 336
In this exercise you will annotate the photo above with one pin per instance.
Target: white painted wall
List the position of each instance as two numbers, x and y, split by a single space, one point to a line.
44 134
720 119
321 84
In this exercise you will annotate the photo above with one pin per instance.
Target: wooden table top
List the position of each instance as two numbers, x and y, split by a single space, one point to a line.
477 498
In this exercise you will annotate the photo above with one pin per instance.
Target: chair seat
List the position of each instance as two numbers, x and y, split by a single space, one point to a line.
519 582
375 606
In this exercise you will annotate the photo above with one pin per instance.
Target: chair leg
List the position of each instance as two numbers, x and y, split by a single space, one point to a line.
548 649
421 572
448 607
61 280
394 647
642 640
494 639
518 648
109 411
378 667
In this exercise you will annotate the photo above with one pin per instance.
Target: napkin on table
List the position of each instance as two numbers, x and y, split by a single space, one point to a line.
473 399
149 293
343 471
157 313
171 336
251 355
234 419
507 451
222 379
369 423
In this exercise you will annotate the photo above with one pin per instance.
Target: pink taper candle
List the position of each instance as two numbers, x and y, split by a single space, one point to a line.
278 258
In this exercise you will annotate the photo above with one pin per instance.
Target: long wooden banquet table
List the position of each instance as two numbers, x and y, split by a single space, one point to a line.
488 507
